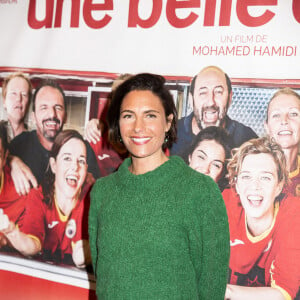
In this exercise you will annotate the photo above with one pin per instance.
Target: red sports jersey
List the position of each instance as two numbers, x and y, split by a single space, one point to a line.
271 259
294 186
108 158
56 232
12 204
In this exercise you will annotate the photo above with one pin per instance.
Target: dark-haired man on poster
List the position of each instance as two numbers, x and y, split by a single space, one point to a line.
33 147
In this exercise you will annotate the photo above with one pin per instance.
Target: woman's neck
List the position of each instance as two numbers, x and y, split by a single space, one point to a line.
65 204
258 226
147 164
291 156
17 127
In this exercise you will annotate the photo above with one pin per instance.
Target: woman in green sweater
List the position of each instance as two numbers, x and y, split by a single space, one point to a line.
158 229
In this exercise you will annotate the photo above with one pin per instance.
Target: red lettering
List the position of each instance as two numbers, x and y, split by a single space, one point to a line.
88 7
33 22
134 19
172 5
246 19
209 13
296 10
225 13
74 13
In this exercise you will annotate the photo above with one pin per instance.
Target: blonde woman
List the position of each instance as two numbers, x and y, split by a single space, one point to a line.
264 225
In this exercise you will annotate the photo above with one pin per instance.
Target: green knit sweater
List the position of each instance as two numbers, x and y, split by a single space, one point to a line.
159 235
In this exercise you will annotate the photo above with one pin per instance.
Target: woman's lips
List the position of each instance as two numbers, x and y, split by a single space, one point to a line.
140 140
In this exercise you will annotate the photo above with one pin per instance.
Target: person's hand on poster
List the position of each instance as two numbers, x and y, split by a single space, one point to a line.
22 176
3 240
93 131
81 253
6 226
236 292
17 239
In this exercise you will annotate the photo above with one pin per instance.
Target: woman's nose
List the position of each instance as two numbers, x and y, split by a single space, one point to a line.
138 125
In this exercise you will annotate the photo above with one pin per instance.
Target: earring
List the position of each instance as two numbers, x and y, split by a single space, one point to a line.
120 139
166 138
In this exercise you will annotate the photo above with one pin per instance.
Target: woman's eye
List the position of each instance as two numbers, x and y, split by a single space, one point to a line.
82 162
275 116
265 178
67 158
201 157
218 166
294 114
126 116
151 116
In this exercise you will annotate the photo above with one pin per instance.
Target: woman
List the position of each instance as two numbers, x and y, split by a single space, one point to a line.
283 124
264 225
208 154
54 216
16 94
158 229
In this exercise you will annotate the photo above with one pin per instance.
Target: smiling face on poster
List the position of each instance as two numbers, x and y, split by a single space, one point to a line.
208 158
49 114
258 186
283 119
16 99
70 168
211 97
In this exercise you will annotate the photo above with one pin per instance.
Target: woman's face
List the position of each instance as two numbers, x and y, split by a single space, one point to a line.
284 121
70 168
208 158
143 124
17 99
257 185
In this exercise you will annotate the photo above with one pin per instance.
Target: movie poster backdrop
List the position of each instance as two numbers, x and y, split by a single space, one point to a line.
84 45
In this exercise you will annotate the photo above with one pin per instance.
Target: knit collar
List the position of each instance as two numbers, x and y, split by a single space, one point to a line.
159 175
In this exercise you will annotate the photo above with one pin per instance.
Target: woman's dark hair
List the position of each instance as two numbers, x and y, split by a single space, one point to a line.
4 135
142 82
48 183
220 136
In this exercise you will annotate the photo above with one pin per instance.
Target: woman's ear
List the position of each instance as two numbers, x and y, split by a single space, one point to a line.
169 122
237 189
279 188
52 163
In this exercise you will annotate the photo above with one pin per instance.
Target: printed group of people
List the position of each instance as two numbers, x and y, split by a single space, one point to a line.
201 208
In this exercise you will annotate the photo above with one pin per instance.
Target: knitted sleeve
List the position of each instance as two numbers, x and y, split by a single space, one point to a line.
212 259
93 223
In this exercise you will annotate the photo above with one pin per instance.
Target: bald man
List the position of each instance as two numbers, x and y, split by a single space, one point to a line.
212 94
